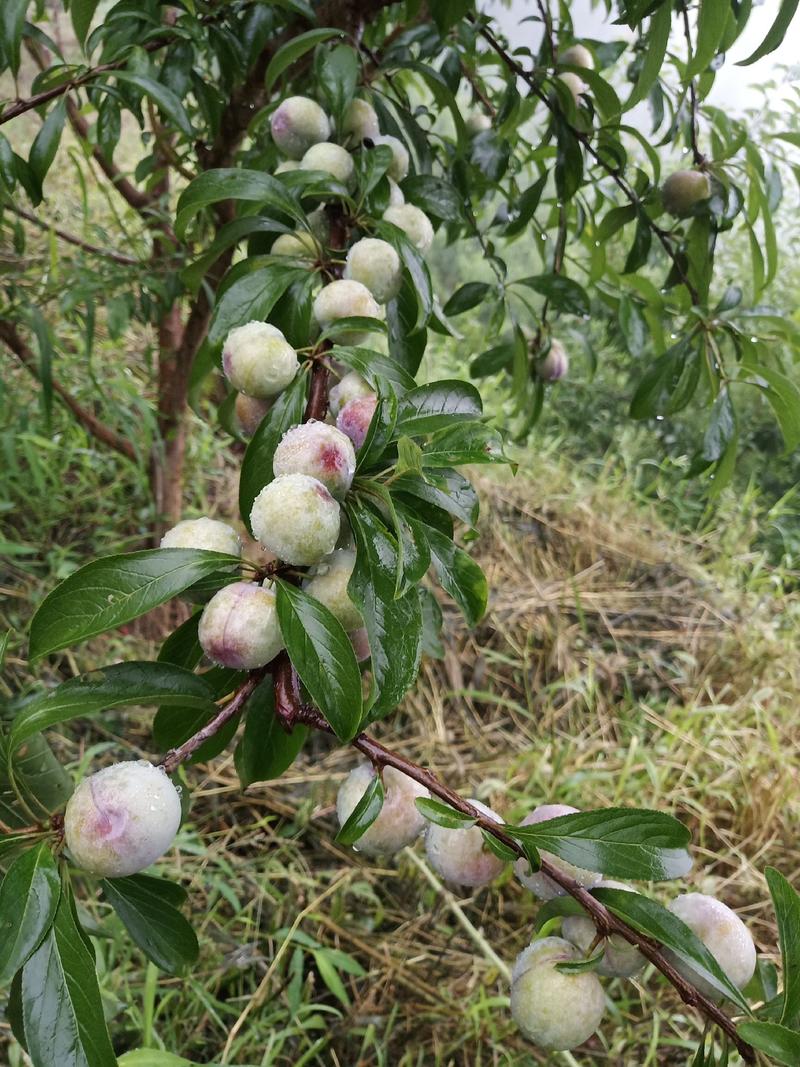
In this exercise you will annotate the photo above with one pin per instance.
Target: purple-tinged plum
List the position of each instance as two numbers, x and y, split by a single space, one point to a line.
399 822
297 124
355 417
351 387
320 450
555 364
122 818
462 856
239 626
723 933
620 958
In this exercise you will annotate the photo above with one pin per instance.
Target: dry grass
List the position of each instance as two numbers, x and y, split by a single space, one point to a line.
618 664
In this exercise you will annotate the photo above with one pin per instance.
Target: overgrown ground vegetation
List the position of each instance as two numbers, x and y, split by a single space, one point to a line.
640 648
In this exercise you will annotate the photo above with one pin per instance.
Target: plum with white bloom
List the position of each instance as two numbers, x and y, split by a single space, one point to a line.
239 626
297 124
399 823
296 518
258 360
122 818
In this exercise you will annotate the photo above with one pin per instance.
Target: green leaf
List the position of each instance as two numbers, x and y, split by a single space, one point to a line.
776 33
8 171
12 23
563 293
783 395
394 625
109 592
82 12
266 750
62 1009
38 784
711 23
721 427
434 196
230 234
375 367
569 161
45 146
657 39
618 842
233 183
787 913
120 685
656 921
443 815
363 814
337 74
251 297
459 575
146 907
162 97
182 647
447 489
294 49
151 1057
323 657
29 897
776 1041
466 297
418 277
432 407
256 469
470 443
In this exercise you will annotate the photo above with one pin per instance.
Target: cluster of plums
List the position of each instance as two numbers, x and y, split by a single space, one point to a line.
124 817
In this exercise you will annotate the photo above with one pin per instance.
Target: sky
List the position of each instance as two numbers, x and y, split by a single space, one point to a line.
734 86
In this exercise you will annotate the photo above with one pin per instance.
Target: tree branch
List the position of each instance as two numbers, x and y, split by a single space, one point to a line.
10 336
629 193
134 197
697 155
176 756
105 253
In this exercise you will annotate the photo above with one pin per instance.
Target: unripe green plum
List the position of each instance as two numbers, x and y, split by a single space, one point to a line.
359 639
578 55
540 884
328 584
398 168
122 818
477 122
249 412
331 158
555 1011
683 189
320 450
399 822
577 86
461 856
351 387
620 958
414 223
296 518
258 360
555 364
723 933
342 299
239 626
209 534
377 265
297 124
360 122
287 166
355 417
300 245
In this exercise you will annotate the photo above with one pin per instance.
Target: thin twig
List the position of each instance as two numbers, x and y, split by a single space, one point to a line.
605 921
11 337
697 155
629 193
105 253
176 756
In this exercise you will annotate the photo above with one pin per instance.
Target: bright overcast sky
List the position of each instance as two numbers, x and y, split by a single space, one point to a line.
733 86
